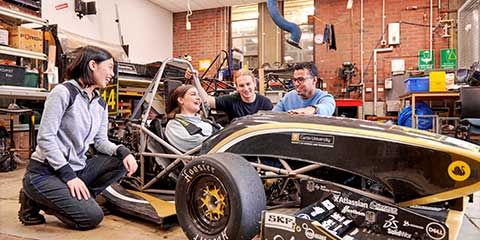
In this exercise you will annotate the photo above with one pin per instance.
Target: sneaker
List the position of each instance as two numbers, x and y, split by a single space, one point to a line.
29 213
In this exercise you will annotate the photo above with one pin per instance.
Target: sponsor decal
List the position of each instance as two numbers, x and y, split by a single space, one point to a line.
399 233
348 221
279 221
391 223
304 216
188 174
348 238
459 171
348 201
317 211
436 231
221 236
335 230
279 237
408 224
328 205
328 223
337 216
348 210
325 189
310 234
354 232
311 139
383 208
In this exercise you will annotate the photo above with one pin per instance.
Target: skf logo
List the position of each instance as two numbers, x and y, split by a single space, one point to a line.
279 221
459 171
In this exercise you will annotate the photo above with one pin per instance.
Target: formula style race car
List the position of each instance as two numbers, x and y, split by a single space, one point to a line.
302 177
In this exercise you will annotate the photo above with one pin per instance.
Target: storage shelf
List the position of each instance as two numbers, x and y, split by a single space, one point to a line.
133 80
23 127
25 18
22 53
23 93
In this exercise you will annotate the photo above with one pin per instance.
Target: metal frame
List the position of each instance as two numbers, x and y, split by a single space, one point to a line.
179 157
146 134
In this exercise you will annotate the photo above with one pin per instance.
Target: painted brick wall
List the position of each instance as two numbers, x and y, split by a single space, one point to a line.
347 32
205 39
203 43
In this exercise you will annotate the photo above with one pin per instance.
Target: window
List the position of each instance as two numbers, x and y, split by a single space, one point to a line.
245 32
297 11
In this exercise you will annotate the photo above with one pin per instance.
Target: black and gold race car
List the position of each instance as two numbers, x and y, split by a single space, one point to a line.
304 177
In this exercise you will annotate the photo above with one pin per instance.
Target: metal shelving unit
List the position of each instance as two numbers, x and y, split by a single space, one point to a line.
22 92
14 92
22 17
22 53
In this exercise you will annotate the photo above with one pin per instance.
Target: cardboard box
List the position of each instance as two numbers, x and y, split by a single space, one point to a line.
27 39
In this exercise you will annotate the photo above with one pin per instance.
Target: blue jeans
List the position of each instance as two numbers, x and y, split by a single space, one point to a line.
42 186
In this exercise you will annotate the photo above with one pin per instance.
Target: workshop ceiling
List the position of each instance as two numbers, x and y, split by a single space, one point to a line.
181 5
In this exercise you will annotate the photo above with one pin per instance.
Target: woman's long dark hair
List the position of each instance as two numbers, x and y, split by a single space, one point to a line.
173 107
79 69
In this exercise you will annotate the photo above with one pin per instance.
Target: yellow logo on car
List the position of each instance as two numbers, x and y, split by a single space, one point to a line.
459 171
295 137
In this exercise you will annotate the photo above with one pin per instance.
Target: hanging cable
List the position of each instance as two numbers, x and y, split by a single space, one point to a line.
189 13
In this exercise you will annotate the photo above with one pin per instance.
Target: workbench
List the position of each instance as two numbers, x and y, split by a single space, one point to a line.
426 96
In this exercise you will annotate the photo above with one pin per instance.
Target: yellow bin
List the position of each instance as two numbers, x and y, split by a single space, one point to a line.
437 82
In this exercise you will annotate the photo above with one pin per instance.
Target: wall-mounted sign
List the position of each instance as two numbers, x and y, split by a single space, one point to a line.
448 58
425 60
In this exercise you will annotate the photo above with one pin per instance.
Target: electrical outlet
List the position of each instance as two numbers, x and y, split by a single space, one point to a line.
388 84
368 89
380 89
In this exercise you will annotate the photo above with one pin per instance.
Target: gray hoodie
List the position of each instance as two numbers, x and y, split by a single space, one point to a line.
67 131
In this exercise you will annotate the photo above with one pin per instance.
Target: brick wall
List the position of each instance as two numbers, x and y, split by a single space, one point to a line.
206 37
347 32
203 43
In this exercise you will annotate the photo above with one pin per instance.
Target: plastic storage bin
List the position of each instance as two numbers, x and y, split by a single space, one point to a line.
12 75
438 82
31 80
416 84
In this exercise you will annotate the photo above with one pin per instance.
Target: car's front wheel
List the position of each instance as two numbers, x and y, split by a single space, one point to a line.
219 196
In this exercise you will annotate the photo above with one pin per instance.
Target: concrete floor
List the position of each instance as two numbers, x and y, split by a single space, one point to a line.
124 228
112 227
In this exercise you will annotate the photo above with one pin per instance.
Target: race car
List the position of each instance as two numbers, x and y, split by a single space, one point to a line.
342 179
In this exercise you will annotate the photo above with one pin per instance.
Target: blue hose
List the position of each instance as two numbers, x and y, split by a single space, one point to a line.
292 28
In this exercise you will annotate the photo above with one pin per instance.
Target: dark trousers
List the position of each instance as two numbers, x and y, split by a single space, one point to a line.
42 186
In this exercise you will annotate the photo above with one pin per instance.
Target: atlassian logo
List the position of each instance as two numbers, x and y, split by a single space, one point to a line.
436 231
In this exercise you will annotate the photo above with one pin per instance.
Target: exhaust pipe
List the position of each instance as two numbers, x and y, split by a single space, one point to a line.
292 28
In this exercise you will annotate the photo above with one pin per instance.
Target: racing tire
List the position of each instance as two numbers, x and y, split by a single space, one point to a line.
219 196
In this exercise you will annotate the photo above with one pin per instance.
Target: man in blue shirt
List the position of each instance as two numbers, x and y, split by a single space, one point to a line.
306 98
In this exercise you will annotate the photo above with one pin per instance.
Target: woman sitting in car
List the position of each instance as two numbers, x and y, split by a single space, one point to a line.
186 128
